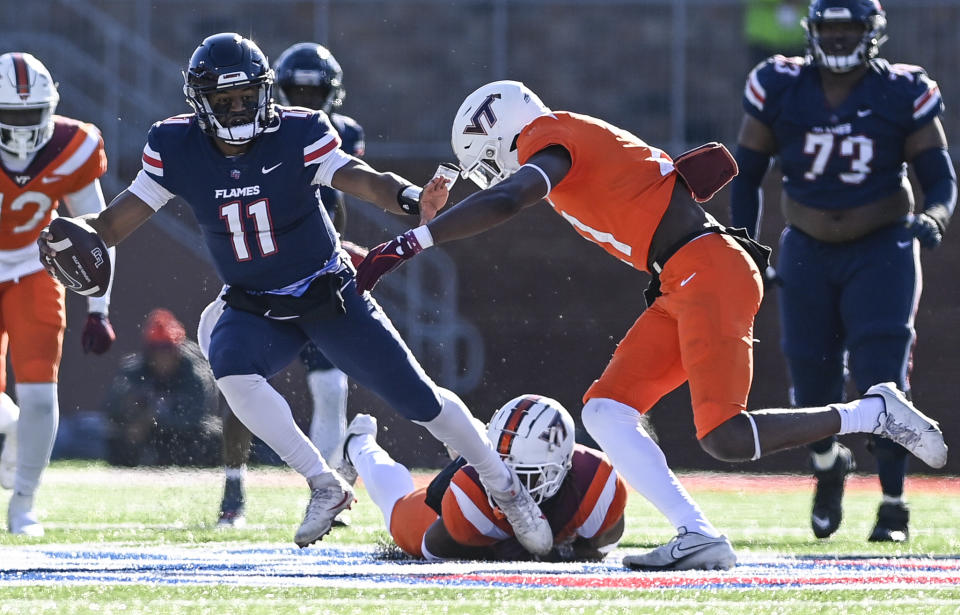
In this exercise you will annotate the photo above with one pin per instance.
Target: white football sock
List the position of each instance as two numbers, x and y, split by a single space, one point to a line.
617 429
328 388
824 461
860 415
268 416
9 413
236 473
386 480
459 430
36 432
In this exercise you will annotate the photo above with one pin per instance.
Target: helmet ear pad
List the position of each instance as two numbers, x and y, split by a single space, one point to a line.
486 127
535 435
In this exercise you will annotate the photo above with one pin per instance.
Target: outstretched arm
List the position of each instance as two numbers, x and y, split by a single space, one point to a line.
124 215
389 191
478 212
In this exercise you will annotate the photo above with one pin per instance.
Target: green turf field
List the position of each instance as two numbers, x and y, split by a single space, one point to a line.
93 506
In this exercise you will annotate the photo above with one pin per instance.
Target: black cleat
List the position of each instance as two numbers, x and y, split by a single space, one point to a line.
892 521
828 498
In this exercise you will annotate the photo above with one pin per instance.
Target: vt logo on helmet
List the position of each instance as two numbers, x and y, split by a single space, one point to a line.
486 127
228 72
535 436
28 99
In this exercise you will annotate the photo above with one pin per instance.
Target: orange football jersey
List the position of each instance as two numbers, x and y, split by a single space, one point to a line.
618 187
71 160
591 499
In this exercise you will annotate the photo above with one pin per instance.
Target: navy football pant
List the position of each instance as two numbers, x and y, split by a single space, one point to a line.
313 359
857 297
363 343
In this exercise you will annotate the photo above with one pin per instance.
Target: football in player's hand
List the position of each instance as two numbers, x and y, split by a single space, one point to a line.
81 262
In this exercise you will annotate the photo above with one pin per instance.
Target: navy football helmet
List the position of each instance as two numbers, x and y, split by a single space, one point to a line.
309 76
840 53
224 62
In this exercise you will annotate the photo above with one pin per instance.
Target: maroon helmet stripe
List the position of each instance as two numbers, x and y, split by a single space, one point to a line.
508 433
20 67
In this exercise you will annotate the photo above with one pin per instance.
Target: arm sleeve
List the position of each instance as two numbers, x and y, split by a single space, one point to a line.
330 164
149 191
746 194
938 180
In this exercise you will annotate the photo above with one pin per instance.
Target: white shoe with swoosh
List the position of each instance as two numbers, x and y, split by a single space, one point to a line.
329 494
686 551
907 426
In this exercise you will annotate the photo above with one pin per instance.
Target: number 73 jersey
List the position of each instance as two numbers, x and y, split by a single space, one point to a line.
845 156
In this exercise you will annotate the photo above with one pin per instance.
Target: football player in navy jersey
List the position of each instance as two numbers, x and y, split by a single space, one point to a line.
844 123
249 170
308 76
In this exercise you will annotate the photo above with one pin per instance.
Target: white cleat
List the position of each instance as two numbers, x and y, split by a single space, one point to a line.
529 524
329 494
686 551
904 424
21 519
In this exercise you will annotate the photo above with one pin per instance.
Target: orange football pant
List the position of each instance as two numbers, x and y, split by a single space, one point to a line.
33 318
410 520
700 330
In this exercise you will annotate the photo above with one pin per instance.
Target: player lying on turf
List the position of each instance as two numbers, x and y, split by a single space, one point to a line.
581 495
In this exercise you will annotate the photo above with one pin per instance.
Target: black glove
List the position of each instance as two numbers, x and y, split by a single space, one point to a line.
927 231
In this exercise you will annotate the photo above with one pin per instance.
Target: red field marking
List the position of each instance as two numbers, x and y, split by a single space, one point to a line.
689 582
732 481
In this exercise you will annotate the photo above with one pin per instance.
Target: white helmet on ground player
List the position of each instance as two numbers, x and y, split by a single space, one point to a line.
535 437
486 128
28 98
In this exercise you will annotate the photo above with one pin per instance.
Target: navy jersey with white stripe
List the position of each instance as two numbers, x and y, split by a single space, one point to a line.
260 213
851 155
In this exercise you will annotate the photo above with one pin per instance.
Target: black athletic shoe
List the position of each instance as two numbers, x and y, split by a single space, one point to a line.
892 521
232 505
828 499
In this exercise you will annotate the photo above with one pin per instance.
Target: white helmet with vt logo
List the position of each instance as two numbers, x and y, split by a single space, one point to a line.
28 98
486 128
535 436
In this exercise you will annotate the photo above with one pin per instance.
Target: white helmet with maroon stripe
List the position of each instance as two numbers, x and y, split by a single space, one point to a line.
28 98
535 437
